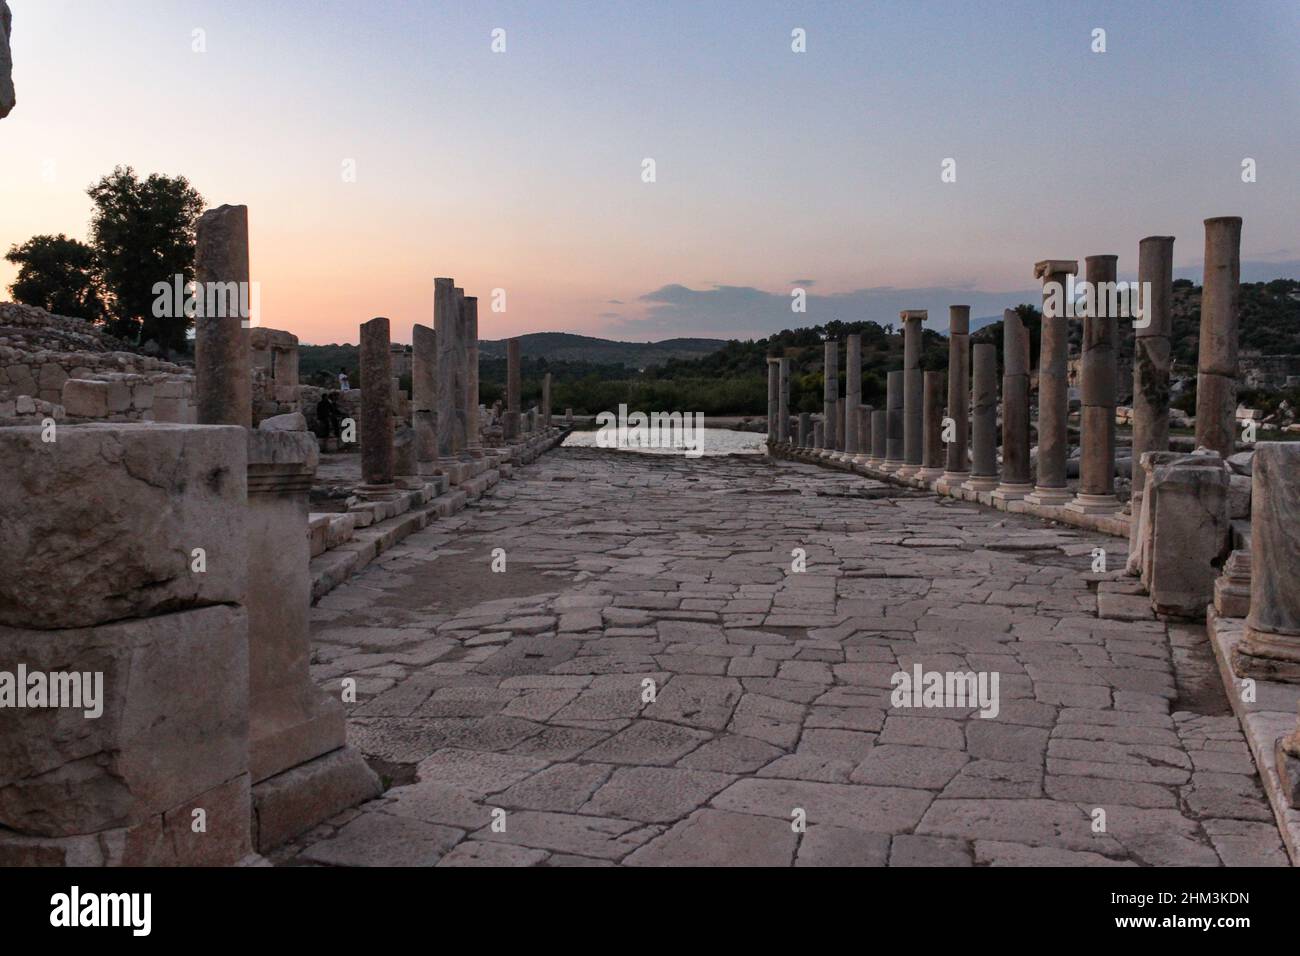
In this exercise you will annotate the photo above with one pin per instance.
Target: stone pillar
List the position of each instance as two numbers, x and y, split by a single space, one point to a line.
913 392
1051 487
1151 359
773 398
473 439
546 401
424 397
853 394
512 423
446 319
376 410
7 98
879 438
864 435
819 436
300 765
830 393
223 380
1216 378
932 408
1232 589
956 465
1015 483
1185 530
805 427
841 426
894 423
460 356
98 532
783 402
1097 417
984 430
1270 649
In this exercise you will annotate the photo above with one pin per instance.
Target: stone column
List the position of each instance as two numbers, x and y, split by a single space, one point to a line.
1053 385
830 393
1015 483
913 392
879 438
932 408
841 427
474 442
512 423
376 410
894 422
223 377
1216 378
853 394
864 434
446 318
956 465
7 97
1151 360
546 401
1097 418
460 433
1270 649
819 435
783 402
805 423
984 430
424 397
773 398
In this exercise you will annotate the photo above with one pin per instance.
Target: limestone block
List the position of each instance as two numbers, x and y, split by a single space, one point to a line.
290 422
1239 496
174 721
1188 533
85 399
119 396
51 377
101 524
26 405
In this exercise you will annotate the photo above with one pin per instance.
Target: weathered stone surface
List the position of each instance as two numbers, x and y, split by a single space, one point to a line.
1151 357
7 98
1188 533
102 524
1216 381
223 378
718 838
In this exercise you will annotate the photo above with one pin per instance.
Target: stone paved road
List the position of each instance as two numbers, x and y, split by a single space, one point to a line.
509 710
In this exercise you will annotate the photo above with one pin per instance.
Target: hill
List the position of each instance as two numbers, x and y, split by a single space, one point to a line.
567 347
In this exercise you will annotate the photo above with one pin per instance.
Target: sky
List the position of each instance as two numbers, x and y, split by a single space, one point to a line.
523 170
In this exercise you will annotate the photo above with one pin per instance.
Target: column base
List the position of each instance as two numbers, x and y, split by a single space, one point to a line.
1288 768
861 459
889 466
1050 497
1231 598
1266 656
928 474
1012 492
949 480
384 492
906 470
874 462
981 483
1094 504
292 802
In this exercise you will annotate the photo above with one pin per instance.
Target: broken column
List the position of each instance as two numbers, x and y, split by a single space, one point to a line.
512 418
1015 483
376 411
222 373
126 568
894 422
830 394
852 394
783 402
1270 649
984 426
773 398
1053 385
1216 378
473 440
879 438
1185 530
446 321
424 397
932 408
804 433
1097 418
913 392
1151 360
956 463
819 436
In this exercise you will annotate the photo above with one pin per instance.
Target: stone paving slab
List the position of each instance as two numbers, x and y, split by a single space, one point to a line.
650 682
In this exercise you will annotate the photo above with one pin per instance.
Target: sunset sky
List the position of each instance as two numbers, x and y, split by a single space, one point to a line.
522 170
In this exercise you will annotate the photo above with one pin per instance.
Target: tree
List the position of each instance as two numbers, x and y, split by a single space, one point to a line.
143 233
59 275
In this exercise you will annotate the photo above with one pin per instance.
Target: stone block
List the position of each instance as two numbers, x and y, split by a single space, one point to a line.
101 524
1188 533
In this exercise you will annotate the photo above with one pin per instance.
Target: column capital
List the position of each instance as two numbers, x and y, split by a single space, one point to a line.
910 315
1051 267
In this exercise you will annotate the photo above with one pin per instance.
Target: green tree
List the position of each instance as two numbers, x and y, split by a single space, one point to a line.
59 275
143 233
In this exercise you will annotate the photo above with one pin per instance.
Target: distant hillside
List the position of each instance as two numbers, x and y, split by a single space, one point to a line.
567 347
